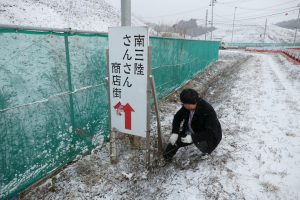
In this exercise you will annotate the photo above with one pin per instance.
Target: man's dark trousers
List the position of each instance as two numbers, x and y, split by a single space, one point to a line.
171 150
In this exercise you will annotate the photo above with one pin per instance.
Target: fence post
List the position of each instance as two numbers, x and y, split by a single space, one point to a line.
70 87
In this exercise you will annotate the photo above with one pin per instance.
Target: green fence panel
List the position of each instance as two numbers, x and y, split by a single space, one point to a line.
243 45
175 61
53 96
35 138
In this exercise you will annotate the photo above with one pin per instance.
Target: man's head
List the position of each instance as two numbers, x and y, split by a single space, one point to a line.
189 98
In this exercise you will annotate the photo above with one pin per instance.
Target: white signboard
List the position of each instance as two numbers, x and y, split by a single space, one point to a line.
128 75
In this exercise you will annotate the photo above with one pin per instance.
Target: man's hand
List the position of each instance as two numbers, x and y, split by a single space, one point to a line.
187 139
173 138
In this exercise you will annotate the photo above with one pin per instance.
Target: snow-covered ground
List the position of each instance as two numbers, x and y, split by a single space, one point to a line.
256 97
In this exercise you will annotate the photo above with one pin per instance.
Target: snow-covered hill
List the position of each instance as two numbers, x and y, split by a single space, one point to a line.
98 15
274 34
92 15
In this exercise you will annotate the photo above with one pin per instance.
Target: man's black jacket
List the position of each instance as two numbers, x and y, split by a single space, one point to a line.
205 124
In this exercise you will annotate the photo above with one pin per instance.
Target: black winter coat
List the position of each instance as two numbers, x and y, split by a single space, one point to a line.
205 124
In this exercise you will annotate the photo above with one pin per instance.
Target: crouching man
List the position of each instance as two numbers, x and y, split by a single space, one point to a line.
200 126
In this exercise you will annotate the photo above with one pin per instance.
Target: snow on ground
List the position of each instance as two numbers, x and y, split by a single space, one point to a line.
264 115
256 97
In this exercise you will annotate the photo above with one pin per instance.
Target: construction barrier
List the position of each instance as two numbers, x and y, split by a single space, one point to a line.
293 54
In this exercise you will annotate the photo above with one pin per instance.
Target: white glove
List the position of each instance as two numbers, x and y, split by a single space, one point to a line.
187 139
173 138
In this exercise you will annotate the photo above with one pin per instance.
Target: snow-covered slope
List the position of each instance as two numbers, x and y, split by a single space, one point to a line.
98 15
274 34
92 15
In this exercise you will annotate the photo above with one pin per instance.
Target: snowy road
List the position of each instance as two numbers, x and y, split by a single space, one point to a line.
262 111
259 108
258 103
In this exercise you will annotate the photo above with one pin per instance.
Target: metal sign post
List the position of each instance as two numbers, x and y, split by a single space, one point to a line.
125 12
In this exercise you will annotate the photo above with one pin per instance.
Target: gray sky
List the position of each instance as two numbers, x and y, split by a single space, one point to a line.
247 12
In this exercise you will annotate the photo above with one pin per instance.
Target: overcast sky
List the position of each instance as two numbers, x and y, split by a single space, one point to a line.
247 12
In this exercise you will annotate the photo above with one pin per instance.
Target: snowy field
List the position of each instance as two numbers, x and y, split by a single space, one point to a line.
252 34
256 97
274 34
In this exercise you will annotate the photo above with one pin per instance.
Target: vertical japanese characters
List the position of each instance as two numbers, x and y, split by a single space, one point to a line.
128 79
131 65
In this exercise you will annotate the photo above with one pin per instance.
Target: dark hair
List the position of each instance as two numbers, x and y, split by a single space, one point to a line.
189 96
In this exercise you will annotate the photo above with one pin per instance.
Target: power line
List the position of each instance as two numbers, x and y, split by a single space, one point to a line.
225 4
230 24
266 7
222 17
247 15
204 7
272 10
264 11
178 13
236 1
222 23
266 15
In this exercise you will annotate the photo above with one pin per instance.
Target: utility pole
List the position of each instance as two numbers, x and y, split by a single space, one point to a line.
265 29
125 12
295 36
212 18
206 23
233 24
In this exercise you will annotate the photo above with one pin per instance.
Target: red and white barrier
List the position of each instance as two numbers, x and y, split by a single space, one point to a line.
293 54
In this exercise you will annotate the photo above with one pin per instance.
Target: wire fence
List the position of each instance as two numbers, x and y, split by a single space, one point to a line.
53 95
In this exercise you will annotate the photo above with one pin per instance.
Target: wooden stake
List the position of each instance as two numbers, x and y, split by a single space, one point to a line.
112 133
113 147
148 110
159 135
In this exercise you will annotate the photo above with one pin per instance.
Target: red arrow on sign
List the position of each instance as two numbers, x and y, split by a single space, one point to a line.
117 106
127 110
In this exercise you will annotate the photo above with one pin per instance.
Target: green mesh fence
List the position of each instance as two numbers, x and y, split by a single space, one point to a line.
175 61
53 96
245 44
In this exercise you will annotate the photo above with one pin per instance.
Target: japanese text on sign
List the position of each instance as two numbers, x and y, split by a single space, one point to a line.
128 59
